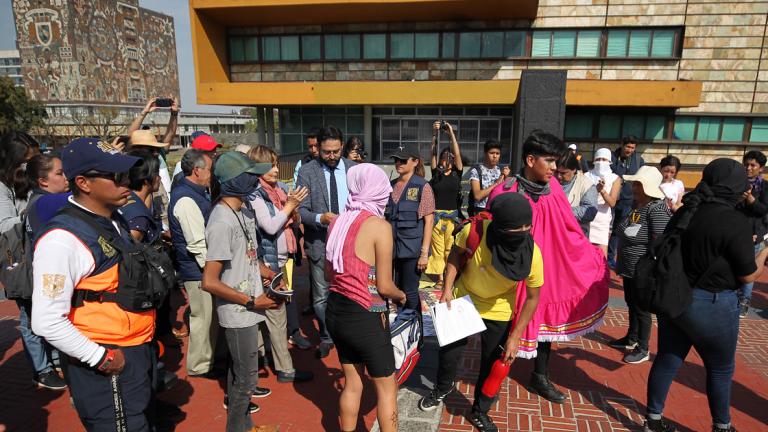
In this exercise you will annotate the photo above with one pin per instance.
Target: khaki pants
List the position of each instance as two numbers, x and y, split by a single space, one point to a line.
203 329
278 337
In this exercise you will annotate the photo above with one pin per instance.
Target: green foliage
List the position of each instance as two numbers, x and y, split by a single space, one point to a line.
17 110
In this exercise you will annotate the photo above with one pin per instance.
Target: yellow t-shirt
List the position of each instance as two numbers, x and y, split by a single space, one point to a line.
493 294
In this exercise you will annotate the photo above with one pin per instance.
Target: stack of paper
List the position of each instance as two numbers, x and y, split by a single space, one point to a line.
460 321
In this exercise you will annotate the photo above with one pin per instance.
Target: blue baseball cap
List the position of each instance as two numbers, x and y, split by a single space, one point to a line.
198 133
89 154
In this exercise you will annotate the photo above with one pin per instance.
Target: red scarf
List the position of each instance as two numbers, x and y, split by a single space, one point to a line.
278 197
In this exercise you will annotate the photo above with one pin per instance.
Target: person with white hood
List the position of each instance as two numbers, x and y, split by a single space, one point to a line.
608 187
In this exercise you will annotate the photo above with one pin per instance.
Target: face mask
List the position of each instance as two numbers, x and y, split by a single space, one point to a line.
602 168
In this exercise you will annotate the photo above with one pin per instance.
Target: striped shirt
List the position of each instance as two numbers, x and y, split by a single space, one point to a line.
637 231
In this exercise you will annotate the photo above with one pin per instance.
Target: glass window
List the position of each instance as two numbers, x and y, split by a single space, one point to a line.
354 125
759 130
469 45
252 49
270 48
332 47
493 44
663 43
639 43
449 45
289 48
588 44
351 47
684 128
236 54
427 45
578 126
563 44
514 43
374 46
733 129
541 44
310 47
709 129
610 126
401 45
617 43
633 125
655 128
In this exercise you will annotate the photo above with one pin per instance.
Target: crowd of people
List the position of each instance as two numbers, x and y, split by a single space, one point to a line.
533 251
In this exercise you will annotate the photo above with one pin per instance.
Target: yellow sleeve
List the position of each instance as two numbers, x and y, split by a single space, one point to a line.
536 278
461 237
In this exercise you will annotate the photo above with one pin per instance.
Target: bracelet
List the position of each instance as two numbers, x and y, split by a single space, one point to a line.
109 357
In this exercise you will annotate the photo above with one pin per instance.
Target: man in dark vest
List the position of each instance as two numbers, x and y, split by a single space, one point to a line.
188 212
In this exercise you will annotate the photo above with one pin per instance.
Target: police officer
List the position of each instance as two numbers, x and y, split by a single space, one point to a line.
109 361
411 211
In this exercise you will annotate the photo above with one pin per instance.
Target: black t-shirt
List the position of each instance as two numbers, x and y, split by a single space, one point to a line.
446 189
718 241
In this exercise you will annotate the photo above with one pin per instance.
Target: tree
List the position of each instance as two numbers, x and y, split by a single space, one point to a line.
17 110
100 122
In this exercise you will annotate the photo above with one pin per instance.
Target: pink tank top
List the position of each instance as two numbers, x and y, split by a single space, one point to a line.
358 282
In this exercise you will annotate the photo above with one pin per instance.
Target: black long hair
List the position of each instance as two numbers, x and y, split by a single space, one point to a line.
14 148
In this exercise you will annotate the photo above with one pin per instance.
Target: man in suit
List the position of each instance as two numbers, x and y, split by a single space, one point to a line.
329 172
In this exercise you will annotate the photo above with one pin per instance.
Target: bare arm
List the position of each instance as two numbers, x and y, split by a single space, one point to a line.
435 129
451 270
478 193
173 123
136 125
212 284
457 163
760 263
613 196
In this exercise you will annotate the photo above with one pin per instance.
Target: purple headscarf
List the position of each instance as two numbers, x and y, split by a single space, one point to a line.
369 190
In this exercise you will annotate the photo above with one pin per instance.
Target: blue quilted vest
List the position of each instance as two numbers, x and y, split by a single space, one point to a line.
188 268
267 248
407 228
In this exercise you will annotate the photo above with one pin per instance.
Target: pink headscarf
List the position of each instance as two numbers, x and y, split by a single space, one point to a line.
369 190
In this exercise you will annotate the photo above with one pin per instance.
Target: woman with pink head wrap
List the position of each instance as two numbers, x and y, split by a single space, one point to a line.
359 269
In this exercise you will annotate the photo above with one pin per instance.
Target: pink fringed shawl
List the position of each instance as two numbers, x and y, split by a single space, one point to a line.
576 277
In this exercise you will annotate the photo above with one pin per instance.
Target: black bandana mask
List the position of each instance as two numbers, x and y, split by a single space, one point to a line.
512 252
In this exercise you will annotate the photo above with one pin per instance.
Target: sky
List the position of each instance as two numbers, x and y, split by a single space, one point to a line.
179 10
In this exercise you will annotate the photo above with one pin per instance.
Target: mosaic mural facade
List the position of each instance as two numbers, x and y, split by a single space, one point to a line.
95 51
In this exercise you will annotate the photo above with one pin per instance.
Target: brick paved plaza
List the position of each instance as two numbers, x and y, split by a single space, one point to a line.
605 394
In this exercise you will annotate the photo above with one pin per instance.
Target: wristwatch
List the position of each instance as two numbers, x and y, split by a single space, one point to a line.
250 305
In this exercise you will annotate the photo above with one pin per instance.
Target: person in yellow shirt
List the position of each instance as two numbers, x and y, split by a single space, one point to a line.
505 256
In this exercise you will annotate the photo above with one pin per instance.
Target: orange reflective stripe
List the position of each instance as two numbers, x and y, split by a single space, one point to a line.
104 281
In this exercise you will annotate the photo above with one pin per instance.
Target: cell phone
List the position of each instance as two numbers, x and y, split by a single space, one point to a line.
163 102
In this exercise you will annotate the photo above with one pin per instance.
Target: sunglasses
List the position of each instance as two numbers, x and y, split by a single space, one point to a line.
401 161
120 179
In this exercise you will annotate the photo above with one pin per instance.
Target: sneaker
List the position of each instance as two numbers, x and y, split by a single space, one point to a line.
623 344
261 392
296 376
299 341
719 429
51 380
638 355
433 399
660 425
482 422
252 407
743 308
324 349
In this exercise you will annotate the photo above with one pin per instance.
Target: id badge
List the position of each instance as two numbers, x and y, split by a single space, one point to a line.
632 230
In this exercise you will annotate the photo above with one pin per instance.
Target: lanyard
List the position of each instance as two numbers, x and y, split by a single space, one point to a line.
250 249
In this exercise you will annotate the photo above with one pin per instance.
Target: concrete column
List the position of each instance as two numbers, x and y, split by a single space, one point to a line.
260 125
270 121
368 130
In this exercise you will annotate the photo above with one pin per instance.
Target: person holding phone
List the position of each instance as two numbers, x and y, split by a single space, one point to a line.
359 269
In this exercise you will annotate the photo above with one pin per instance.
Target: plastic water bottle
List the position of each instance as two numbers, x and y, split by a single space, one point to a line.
499 371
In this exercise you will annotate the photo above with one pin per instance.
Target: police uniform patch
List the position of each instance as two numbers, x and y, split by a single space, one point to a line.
53 285
412 194
107 248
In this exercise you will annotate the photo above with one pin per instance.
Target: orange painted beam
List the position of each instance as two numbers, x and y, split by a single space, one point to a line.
209 48
489 92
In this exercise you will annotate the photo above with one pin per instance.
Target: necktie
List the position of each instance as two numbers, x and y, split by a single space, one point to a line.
334 192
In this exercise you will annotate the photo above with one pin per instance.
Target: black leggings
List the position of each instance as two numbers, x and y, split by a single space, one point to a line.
491 341
541 362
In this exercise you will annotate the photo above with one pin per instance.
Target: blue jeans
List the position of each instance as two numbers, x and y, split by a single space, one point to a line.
36 348
320 295
745 293
711 325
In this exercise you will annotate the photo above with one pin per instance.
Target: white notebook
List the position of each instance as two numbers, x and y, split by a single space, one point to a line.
461 321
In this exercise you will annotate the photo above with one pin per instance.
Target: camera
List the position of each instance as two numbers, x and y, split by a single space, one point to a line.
163 102
444 126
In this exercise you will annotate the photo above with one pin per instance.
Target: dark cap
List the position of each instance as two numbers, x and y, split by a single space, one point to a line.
405 152
232 164
88 154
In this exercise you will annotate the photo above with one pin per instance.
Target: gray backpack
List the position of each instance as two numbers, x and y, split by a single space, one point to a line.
16 261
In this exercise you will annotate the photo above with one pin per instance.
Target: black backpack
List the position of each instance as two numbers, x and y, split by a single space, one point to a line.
16 261
661 285
145 273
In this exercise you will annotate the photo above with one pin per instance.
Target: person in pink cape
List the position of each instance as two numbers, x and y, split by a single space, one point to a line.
576 276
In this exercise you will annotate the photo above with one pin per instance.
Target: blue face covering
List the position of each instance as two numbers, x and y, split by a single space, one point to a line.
240 186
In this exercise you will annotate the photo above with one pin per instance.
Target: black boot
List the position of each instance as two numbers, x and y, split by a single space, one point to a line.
542 386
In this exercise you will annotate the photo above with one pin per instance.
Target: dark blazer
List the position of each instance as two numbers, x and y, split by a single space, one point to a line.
312 177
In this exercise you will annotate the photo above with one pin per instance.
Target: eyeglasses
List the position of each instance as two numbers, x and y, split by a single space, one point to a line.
120 179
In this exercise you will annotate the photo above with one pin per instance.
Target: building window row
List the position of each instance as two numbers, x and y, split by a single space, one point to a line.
597 43
611 126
